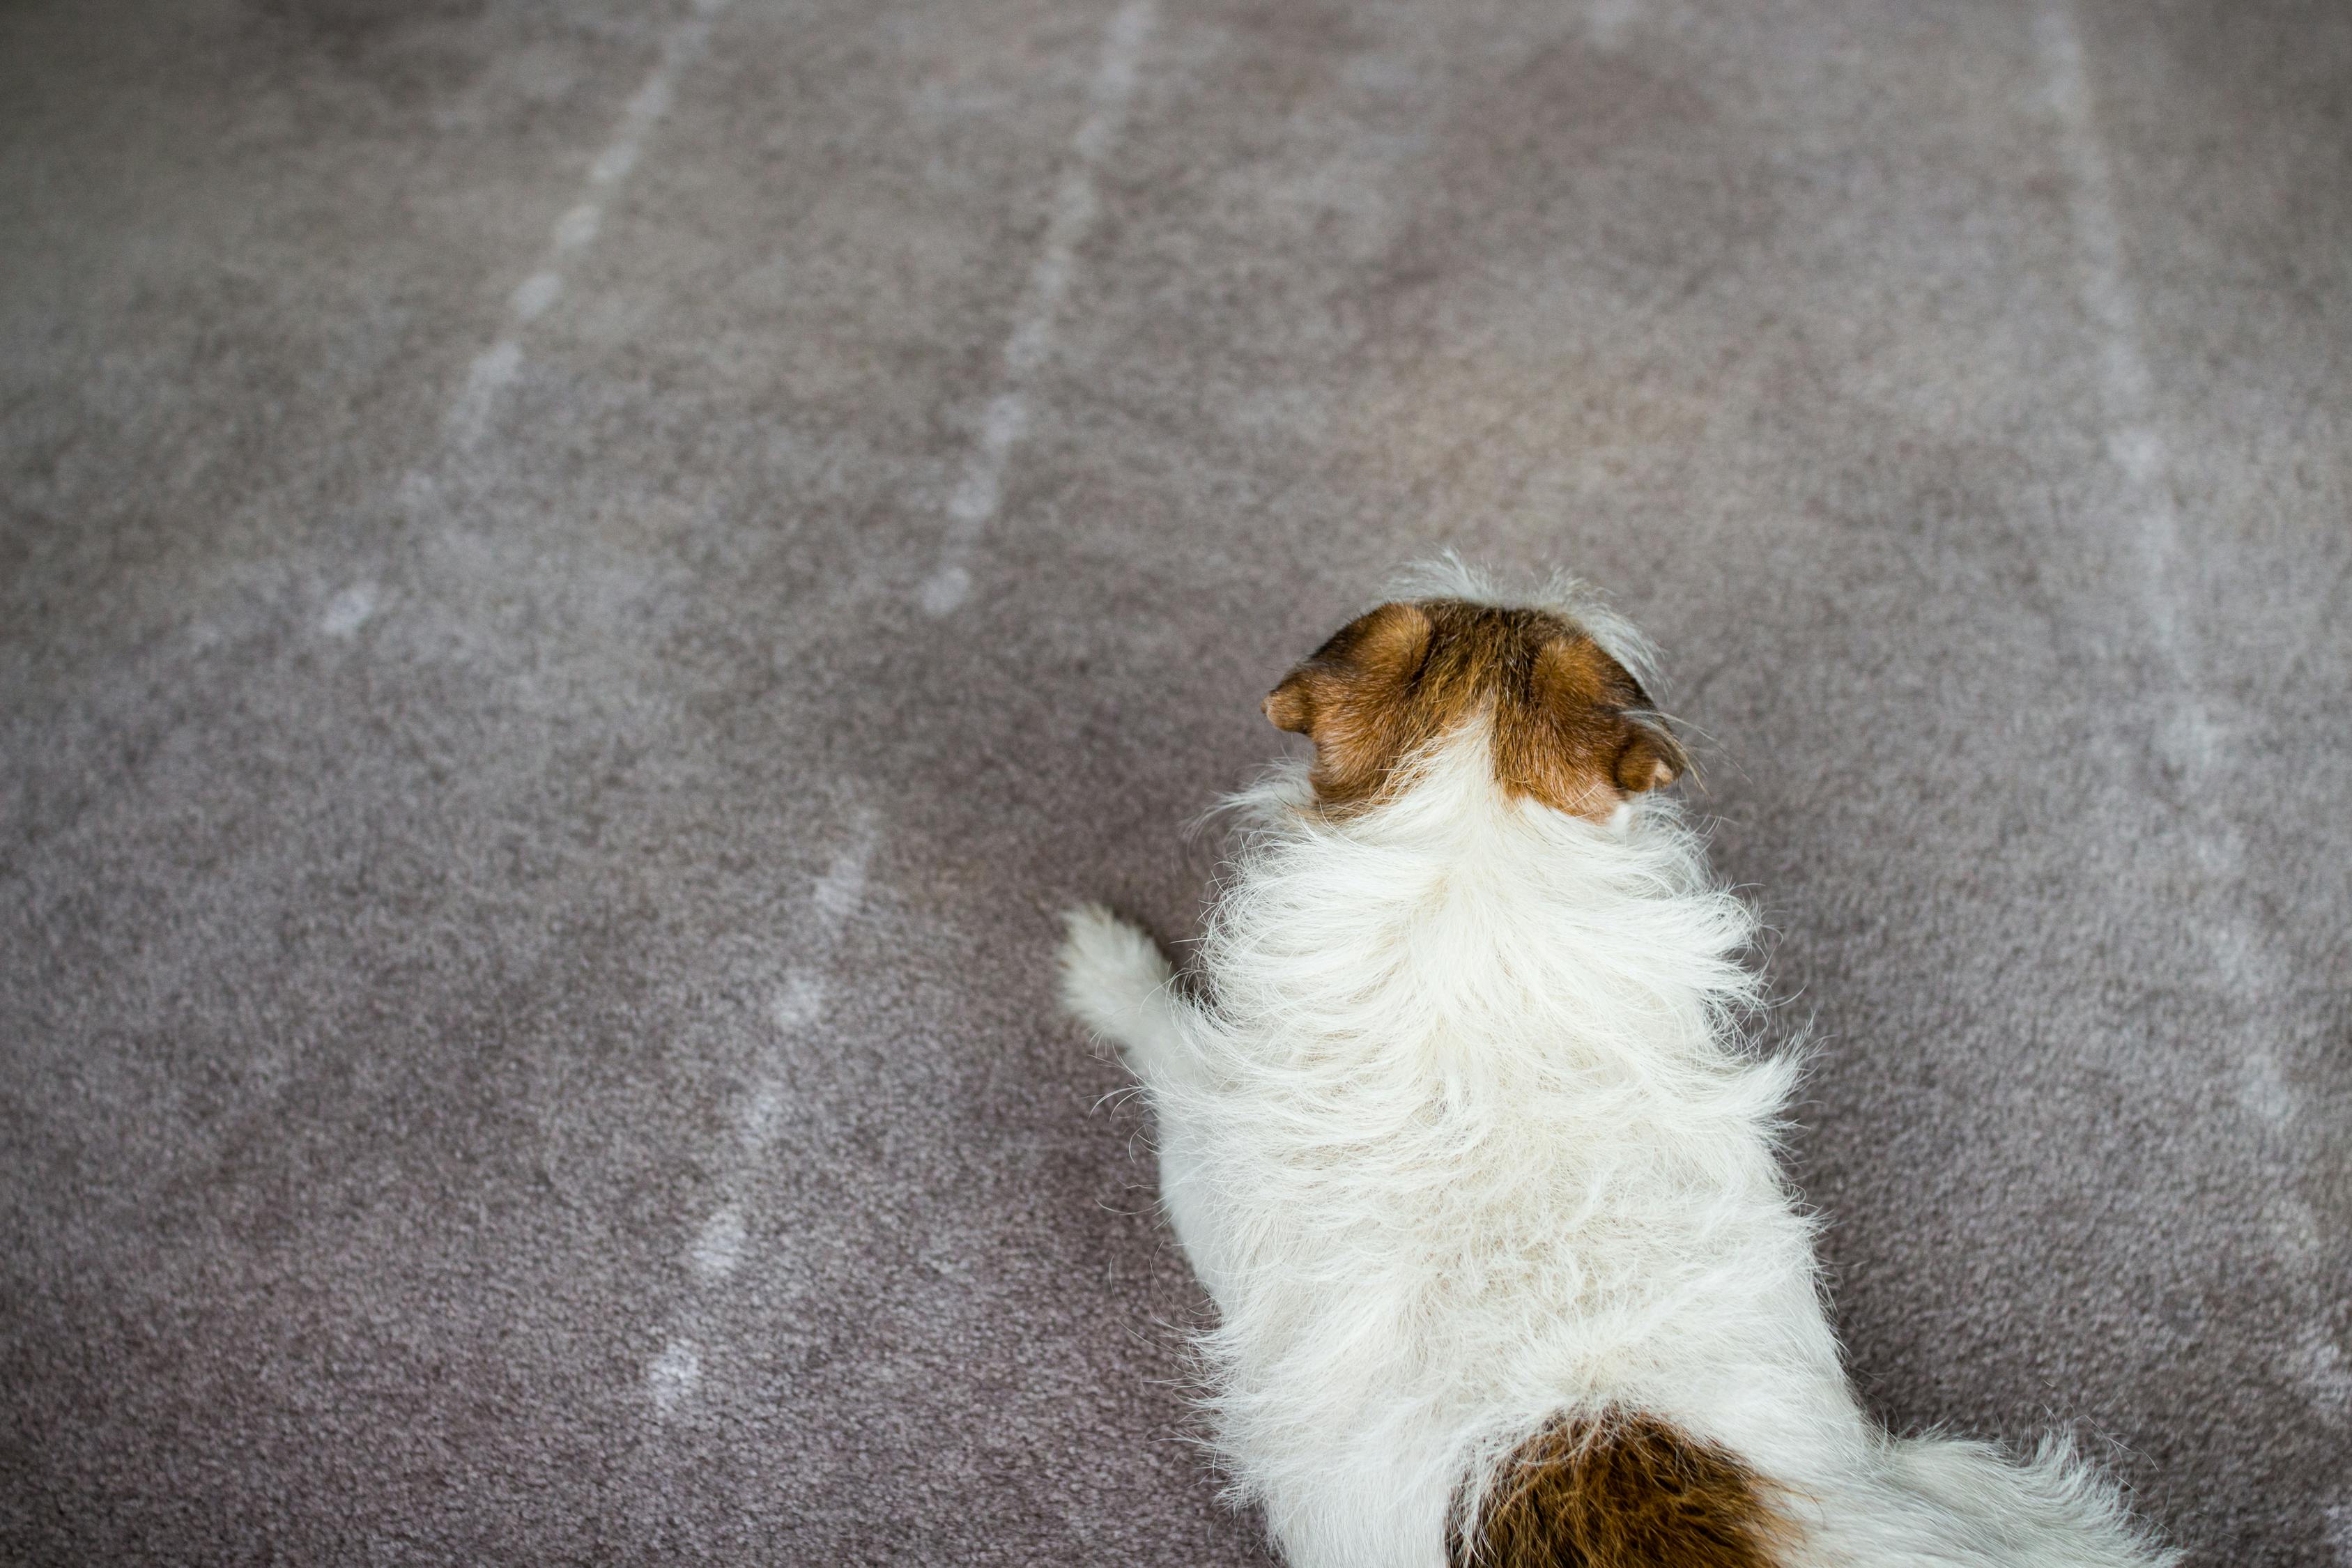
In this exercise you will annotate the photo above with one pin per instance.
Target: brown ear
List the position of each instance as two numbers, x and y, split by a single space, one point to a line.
1350 700
1586 738
1652 759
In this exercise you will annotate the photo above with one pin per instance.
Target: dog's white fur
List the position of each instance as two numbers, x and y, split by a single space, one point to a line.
1466 1134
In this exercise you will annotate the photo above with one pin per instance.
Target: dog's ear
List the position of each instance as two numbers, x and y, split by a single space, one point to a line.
1350 700
1652 758
1587 737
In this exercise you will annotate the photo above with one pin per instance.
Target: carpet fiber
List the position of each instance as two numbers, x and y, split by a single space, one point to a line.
579 581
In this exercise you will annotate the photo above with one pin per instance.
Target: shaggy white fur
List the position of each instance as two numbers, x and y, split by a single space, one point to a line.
1466 1134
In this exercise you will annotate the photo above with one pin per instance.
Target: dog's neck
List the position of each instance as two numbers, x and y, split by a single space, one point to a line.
1451 929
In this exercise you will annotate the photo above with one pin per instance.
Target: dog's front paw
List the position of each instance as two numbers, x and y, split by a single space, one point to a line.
1111 971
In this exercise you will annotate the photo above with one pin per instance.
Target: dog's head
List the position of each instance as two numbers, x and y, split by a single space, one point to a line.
1568 724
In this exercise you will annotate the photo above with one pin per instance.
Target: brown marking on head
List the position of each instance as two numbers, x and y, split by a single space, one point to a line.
1570 725
1624 1491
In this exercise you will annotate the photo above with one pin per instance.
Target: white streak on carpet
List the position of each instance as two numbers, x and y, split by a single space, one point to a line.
577 228
799 1001
534 294
2135 444
722 1242
980 492
495 368
2194 741
719 1245
673 1375
492 370
755 1119
348 611
842 889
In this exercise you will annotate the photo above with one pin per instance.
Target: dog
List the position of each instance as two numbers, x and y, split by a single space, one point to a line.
1464 1129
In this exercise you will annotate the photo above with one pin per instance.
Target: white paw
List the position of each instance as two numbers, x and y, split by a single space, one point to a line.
1110 970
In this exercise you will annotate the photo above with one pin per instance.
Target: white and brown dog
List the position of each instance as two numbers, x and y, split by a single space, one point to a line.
1463 1133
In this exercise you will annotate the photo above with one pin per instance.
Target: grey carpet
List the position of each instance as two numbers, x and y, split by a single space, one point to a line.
523 937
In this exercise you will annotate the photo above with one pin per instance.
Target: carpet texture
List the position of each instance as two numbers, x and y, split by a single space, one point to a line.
580 581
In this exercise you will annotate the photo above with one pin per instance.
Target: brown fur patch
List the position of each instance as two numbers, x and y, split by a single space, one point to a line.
1624 1491
1570 724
